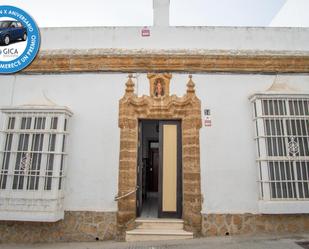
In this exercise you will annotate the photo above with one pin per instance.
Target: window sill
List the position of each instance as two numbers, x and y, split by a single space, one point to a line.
37 208
283 207
31 216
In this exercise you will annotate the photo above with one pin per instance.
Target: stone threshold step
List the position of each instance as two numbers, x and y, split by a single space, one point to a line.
161 232
143 220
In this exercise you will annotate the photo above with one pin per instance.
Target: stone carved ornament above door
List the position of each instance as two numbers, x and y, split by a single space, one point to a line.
159 84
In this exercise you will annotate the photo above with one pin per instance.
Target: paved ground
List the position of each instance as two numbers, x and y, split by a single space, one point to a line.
232 242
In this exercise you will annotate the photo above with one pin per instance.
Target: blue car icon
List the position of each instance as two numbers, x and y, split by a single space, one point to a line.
12 31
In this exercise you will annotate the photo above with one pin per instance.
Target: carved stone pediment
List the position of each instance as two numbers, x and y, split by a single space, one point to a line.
160 107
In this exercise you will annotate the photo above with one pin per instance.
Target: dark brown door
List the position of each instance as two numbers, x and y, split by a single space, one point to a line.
170 169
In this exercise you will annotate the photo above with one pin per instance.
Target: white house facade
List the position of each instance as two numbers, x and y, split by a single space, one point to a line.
208 126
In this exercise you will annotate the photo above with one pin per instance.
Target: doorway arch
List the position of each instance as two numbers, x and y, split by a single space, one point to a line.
187 109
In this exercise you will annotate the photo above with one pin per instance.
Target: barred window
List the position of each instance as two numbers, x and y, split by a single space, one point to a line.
282 139
32 160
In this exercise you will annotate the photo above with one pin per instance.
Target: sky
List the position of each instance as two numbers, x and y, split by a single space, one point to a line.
294 13
72 13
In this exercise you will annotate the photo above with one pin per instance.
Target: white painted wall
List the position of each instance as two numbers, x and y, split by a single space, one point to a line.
227 148
212 38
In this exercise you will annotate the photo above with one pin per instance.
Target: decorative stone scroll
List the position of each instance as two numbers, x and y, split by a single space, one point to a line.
188 110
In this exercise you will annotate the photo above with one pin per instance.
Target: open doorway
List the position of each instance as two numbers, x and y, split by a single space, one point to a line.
159 174
150 180
150 168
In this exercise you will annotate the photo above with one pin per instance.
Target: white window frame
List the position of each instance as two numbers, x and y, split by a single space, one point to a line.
32 192
285 204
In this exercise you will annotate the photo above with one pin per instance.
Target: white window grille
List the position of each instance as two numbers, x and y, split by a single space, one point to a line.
282 142
32 163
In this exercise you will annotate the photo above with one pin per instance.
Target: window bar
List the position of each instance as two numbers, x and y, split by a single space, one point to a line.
285 165
48 156
28 173
284 179
57 159
306 169
286 139
3 159
28 149
38 166
21 145
258 153
6 161
62 156
65 151
39 154
297 162
292 134
54 126
65 154
35 156
270 130
12 162
302 182
20 178
277 152
286 192
303 153
41 170
307 137
287 180
272 146
3 162
22 139
306 165
263 149
268 151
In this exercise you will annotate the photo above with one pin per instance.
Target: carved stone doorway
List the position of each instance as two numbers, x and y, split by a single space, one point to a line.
159 105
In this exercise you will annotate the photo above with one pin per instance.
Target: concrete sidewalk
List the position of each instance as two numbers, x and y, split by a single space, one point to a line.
231 242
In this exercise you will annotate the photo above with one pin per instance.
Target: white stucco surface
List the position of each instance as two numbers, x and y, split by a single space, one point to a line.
227 148
208 38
